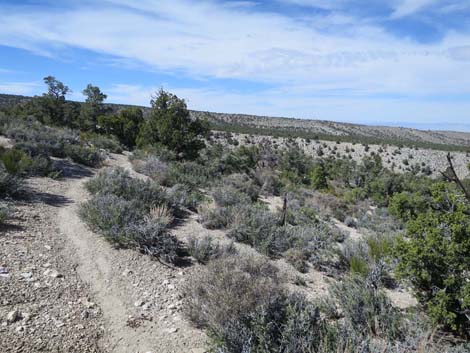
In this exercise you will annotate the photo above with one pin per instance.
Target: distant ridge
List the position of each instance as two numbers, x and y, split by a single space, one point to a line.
319 129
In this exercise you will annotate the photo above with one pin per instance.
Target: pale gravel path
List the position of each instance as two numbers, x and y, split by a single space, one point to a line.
120 278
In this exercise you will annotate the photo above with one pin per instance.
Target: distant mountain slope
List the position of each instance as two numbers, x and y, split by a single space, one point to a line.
312 128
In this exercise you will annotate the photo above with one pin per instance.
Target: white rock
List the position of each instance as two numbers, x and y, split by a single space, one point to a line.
13 316
139 303
27 275
52 273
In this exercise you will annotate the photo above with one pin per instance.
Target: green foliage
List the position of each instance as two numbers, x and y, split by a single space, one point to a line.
171 126
406 205
92 109
102 142
19 163
319 177
15 161
434 258
125 126
10 185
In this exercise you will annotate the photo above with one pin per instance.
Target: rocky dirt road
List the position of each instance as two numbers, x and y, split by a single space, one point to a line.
64 289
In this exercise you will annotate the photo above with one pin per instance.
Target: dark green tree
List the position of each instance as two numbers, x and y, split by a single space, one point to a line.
125 126
170 125
92 108
319 177
49 108
434 257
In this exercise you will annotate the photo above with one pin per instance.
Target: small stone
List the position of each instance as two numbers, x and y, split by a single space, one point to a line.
4 270
47 247
173 330
171 307
146 306
80 327
139 303
166 282
89 305
126 272
47 265
171 286
13 316
20 329
52 273
27 275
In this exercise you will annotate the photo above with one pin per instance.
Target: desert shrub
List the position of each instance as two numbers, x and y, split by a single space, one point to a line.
240 302
152 238
367 310
101 142
214 295
216 218
298 259
350 222
244 184
35 139
434 255
229 196
154 168
183 196
109 215
270 182
259 228
368 259
15 161
126 224
83 155
118 182
10 185
5 212
206 249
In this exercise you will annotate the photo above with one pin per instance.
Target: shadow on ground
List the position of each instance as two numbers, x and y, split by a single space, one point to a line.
71 170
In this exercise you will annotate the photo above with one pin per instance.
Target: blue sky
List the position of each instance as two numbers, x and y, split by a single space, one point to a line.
400 62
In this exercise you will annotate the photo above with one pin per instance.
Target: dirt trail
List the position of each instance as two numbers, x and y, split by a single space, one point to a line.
139 298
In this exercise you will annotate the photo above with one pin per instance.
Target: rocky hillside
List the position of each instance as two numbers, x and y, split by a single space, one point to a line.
316 129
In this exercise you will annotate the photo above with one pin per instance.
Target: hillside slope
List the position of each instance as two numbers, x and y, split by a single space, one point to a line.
310 128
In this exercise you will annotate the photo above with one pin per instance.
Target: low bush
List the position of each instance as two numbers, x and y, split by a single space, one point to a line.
216 218
118 182
367 310
240 302
110 215
244 184
229 196
5 212
10 185
206 249
181 195
17 162
101 142
127 224
83 155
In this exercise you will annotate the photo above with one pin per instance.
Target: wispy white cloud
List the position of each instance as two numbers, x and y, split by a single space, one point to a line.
308 61
21 88
409 7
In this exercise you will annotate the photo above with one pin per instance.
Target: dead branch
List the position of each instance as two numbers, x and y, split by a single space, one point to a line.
451 176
